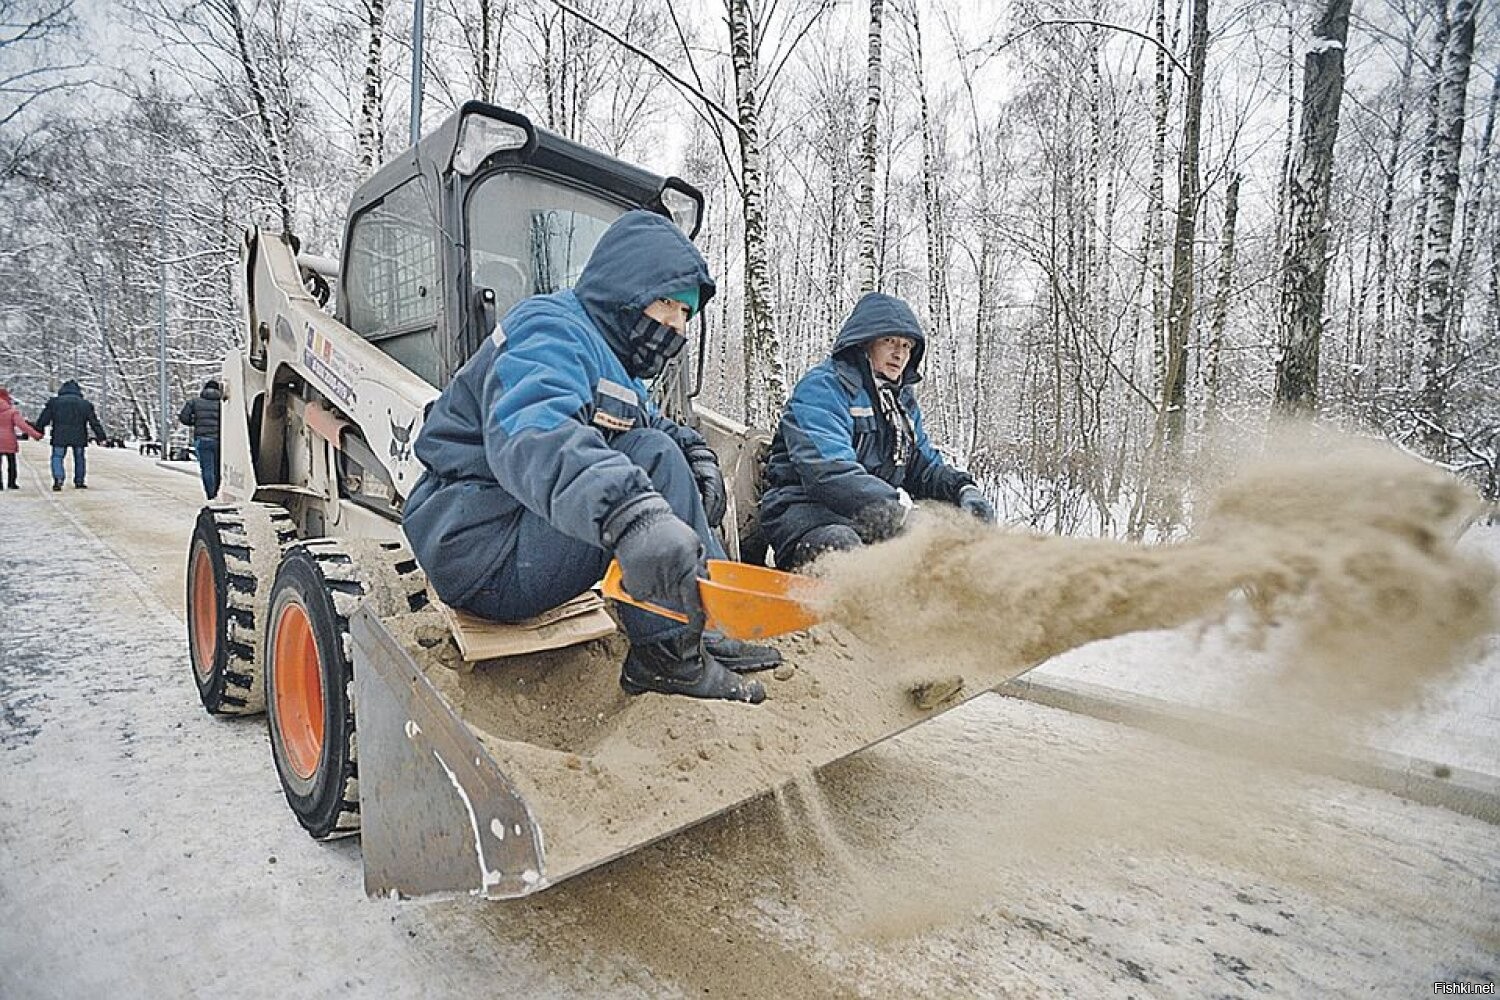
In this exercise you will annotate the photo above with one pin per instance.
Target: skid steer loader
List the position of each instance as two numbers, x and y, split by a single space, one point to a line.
301 592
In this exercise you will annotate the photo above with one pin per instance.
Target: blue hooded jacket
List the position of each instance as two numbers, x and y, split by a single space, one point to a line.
526 424
834 452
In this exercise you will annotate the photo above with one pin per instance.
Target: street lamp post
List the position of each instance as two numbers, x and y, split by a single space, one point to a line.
416 72
104 413
161 316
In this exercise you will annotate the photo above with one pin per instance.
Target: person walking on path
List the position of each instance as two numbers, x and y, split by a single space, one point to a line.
71 418
201 413
12 427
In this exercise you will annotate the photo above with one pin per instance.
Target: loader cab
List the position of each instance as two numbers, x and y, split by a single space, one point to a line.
481 213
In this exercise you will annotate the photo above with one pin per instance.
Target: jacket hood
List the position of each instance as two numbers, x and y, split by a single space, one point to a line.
642 257
879 315
211 390
70 388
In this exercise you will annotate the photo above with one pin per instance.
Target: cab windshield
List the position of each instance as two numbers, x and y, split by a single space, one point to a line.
530 236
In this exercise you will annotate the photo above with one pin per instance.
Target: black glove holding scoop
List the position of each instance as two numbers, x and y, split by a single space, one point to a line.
660 556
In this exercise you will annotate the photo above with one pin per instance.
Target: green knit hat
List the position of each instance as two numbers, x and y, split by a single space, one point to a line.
688 297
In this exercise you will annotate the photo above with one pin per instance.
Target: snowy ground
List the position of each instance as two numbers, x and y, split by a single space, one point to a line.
1005 849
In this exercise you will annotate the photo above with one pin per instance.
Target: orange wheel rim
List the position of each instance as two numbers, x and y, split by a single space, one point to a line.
299 691
204 614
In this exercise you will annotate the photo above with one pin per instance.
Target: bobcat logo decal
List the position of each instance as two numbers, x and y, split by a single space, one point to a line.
401 440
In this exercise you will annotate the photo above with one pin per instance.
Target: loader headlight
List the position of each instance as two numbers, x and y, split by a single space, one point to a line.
363 479
480 136
684 203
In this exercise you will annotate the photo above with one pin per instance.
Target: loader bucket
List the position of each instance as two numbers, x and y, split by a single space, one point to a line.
503 780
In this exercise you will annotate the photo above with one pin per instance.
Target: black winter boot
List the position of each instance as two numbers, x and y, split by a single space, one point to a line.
679 666
57 486
741 657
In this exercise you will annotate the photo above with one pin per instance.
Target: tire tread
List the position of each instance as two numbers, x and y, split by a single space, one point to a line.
237 687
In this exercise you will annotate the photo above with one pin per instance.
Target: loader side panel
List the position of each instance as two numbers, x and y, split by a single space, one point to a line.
316 366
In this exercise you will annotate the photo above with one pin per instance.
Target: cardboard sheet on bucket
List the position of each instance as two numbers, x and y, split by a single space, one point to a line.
577 621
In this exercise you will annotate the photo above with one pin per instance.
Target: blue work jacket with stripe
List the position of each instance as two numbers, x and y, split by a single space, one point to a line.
835 452
525 426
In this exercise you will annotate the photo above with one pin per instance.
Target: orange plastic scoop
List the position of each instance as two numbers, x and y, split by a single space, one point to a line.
742 601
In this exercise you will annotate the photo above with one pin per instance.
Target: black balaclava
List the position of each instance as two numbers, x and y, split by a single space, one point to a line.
652 345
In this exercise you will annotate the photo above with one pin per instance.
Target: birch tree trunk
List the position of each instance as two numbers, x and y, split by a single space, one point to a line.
765 380
1156 201
549 84
1476 206
481 27
270 134
1289 134
1304 265
1386 223
371 129
486 55
1221 298
1158 500
883 227
1424 189
936 233
985 265
865 200
1438 245
1180 309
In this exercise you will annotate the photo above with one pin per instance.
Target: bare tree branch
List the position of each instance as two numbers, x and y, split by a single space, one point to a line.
715 125
1089 23
660 66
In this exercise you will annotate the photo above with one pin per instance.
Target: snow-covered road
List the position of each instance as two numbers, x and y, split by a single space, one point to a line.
1006 849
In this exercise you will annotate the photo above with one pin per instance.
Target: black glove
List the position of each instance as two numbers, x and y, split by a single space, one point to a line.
877 521
705 466
975 504
661 557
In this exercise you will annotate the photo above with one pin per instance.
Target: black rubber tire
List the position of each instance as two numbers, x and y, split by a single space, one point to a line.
240 545
327 578
322 580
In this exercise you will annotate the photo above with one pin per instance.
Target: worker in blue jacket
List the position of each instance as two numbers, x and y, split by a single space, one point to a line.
544 457
850 453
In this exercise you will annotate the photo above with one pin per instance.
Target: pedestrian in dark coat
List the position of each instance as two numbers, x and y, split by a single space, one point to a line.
850 453
12 427
71 418
202 414
544 457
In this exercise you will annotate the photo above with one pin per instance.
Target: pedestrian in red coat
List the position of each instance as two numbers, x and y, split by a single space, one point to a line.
12 425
